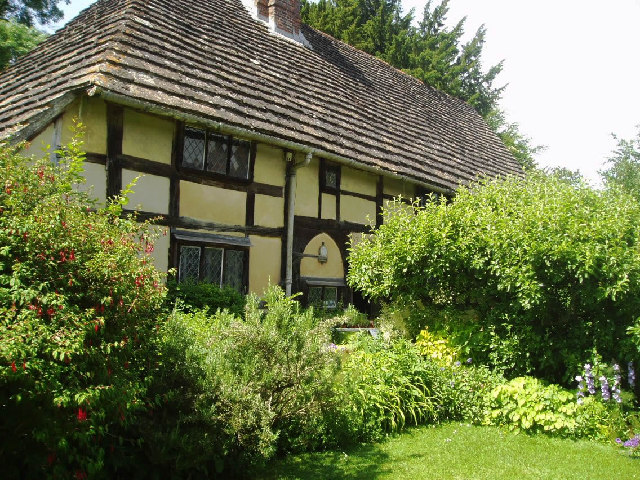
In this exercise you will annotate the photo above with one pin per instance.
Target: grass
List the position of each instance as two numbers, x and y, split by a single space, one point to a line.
458 451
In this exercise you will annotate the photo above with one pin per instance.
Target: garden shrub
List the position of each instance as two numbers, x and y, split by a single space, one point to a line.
198 295
436 347
460 390
79 304
381 389
244 388
549 268
528 404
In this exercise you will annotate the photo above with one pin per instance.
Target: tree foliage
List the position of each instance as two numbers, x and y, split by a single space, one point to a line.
15 40
28 12
624 167
530 275
79 300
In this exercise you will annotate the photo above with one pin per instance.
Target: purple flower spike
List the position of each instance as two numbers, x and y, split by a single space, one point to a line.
604 387
632 375
633 442
469 360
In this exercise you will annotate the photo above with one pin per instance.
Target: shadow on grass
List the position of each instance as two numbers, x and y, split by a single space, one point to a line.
359 463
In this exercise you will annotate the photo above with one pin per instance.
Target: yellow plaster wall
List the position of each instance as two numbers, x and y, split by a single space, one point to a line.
358 181
212 204
396 187
357 210
264 263
93 114
160 254
269 211
328 206
270 166
72 112
96 184
147 136
310 267
150 193
38 145
307 189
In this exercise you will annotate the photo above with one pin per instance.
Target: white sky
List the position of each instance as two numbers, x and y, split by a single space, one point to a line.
572 69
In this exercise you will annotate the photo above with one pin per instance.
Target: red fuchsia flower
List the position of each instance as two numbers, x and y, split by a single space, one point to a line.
82 414
13 367
63 256
50 311
24 365
126 364
80 474
96 327
72 256
148 248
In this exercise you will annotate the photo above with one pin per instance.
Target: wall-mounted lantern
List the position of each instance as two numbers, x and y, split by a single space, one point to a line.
322 255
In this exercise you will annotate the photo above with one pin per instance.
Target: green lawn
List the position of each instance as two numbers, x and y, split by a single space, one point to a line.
458 451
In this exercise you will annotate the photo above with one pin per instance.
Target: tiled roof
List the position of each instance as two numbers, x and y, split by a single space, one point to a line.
211 60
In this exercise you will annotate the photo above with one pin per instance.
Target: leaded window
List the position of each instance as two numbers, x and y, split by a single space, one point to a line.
220 154
222 266
323 297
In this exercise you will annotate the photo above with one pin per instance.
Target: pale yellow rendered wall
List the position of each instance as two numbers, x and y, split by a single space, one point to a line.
328 206
358 181
396 187
357 210
307 190
160 254
150 193
270 166
269 211
212 204
310 267
264 263
96 182
147 136
92 112
38 146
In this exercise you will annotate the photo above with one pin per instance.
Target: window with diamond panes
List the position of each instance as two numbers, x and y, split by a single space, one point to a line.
189 263
233 269
217 154
220 154
212 266
331 178
240 155
193 150
217 265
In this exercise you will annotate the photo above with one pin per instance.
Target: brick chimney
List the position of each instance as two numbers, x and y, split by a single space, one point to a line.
282 16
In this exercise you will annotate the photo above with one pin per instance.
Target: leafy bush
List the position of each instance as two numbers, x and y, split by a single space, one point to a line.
436 347
527 404
79 301
240 390
198 295
460 391
382 389
550 270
